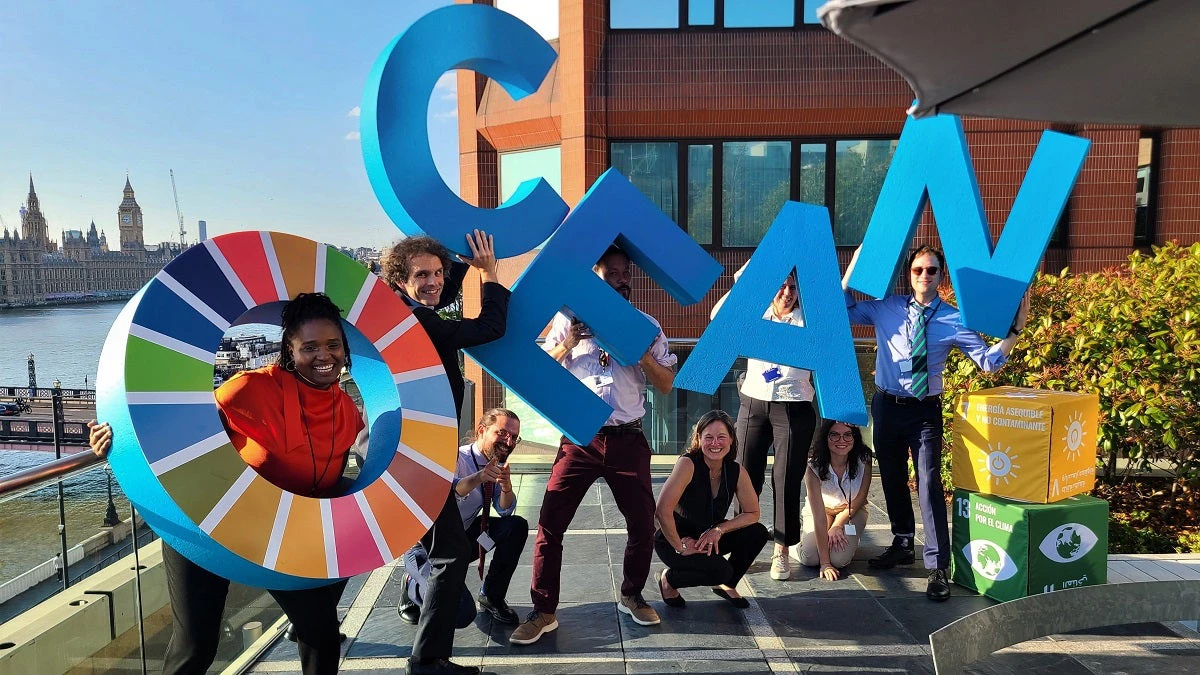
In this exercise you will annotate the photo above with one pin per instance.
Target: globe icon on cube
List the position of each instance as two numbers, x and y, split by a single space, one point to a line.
1067 542
988 561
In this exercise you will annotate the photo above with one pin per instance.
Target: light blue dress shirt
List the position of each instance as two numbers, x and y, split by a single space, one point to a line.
470 461
895 318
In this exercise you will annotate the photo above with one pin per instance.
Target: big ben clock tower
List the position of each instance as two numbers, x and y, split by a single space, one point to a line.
129 221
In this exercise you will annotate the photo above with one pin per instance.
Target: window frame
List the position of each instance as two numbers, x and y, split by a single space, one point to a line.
798 23
1150 235
717 143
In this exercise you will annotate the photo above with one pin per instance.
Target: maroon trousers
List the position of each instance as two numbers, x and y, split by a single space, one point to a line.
623 461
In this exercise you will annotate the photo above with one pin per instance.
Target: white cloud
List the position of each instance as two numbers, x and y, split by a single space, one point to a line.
354 112
353 136
448 81
449 114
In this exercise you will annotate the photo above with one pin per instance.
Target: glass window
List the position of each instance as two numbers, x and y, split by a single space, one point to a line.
860 169
810 11
534 427
701 12
654 169
541 15
520 166
643 14
700 193
756 181
812 173
1143 216
760 13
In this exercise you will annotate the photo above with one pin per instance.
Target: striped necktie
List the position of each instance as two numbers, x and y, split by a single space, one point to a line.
920 353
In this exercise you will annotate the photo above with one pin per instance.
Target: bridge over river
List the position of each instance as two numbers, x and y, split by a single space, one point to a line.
34 430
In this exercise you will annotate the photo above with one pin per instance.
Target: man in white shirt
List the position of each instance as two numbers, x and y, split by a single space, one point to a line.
481 483
619 454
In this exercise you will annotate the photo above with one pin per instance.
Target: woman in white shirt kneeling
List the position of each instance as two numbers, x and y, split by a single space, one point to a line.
837 481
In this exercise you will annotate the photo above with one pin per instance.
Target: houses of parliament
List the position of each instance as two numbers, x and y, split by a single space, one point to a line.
35 270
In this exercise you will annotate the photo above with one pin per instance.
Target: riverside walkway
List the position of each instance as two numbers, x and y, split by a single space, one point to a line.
869 621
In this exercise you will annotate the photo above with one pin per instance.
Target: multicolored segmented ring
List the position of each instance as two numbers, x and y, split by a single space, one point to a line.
218 503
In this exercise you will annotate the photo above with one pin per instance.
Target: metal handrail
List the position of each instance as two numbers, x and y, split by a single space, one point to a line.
38 476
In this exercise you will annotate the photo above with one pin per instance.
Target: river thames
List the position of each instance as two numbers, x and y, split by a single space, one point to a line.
66 343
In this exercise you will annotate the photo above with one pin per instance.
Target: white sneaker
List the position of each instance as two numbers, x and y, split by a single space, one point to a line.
781 566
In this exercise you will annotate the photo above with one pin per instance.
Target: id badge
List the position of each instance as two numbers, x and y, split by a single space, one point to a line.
905 366
850 529
485 541
772 374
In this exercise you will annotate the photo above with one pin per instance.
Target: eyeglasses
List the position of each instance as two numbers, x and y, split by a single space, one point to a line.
836 436
507 435
931 271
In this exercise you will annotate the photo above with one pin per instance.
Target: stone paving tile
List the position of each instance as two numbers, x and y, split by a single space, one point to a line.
814 620
708 622
698 667
1014 663
920 616
862 663
1161 662
385 635
1130 630
584 628
614 667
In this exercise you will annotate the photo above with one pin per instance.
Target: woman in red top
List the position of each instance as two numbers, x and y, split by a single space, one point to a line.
293 424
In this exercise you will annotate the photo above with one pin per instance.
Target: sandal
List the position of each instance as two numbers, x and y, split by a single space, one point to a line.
739 602
676 601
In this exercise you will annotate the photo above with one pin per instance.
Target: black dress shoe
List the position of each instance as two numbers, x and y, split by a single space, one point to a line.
676 601
899 553
938 589
410 613
500 611
439 667
740 603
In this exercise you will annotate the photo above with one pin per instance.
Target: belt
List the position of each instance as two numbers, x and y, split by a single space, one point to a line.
633 427
908 400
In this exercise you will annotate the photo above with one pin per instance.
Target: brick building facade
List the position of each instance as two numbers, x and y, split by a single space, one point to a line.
710 116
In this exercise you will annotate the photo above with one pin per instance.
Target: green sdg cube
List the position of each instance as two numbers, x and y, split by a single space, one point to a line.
1007 550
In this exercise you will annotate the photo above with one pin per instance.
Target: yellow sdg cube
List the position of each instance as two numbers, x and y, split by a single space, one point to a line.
1031 445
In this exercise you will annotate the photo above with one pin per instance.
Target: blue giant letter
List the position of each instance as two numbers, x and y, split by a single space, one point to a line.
395 139
932 160
561 275
799 238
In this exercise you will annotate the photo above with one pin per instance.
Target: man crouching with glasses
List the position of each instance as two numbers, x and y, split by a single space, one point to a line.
481 483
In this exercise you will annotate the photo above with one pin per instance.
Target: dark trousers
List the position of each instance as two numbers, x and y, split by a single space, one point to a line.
509 533
916 427
198 603
623 461
742 546
449 554
789 426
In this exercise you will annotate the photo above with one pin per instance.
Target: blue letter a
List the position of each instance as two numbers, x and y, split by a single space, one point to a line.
932 161
799 238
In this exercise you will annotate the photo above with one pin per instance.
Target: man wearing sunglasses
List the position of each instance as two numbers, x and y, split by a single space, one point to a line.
618 453
915 333
482 486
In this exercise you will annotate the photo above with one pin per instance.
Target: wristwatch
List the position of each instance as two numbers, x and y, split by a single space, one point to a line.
1013 331
682 547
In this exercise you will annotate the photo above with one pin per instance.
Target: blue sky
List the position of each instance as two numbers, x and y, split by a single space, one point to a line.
249 103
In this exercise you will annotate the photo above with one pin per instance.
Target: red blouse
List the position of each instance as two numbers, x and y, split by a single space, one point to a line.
296 436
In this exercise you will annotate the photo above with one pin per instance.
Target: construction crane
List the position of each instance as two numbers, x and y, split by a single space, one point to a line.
178 212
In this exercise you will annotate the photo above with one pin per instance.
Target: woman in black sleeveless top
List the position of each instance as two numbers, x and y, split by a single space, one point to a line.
694 536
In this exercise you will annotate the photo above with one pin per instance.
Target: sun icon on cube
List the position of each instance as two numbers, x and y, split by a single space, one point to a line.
1075 434
1000 463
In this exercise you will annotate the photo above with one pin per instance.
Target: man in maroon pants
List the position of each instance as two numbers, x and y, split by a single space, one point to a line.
619 454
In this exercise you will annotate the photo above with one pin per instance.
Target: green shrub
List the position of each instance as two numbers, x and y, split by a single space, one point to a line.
1125 537
1189 543
1132 336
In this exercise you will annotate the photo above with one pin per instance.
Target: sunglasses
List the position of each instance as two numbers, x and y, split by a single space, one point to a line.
603 358
931 271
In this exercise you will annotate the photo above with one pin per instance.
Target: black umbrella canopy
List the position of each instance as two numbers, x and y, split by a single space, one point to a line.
1086 61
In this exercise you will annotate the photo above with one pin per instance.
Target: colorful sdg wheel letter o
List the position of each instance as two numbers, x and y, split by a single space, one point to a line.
174 460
